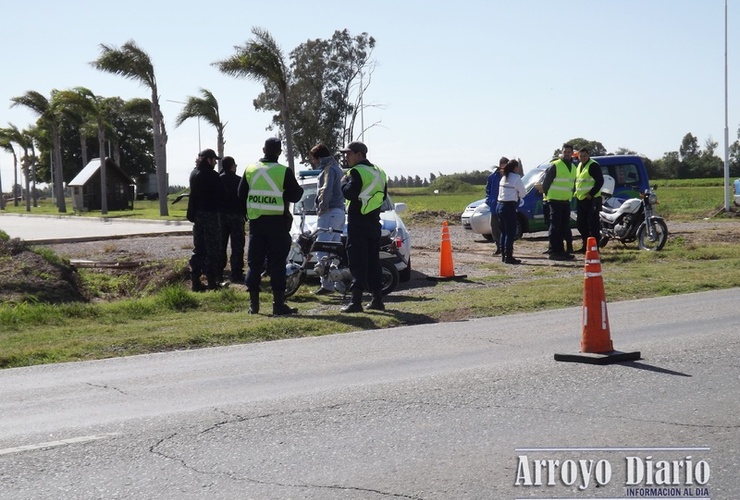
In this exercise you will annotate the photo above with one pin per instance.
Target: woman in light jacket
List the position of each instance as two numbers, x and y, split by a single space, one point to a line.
510 191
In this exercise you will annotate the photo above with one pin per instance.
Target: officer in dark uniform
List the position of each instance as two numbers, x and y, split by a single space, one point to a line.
232 218
203 205
365 187
269 188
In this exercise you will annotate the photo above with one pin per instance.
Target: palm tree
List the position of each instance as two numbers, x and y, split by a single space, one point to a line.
22 138
6 143
87 104
50 113
262 60
205 107
133 63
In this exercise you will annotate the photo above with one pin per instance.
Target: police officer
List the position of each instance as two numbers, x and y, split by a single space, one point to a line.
203 206
558 186
232 220
365 187
589 180
269 188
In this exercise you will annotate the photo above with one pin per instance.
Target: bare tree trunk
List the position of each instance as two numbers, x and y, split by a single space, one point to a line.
83 148
160 153
103 173
58 171
2 198
288 132
27 172
15 181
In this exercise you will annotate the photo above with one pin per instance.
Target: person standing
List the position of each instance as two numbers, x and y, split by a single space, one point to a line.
203 207
558 186
268 188
365 186
589 181
511 190
329 203
232 218
492 185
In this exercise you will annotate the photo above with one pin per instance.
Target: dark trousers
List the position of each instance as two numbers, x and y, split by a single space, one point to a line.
363 252
232 228
206 245
506 213
559 226
589 224
268 248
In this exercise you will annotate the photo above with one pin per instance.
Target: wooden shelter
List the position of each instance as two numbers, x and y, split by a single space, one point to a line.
86 193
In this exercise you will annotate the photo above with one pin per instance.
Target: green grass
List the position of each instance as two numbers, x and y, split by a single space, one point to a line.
175 318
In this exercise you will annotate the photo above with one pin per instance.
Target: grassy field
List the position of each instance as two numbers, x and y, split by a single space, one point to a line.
683 199
175 318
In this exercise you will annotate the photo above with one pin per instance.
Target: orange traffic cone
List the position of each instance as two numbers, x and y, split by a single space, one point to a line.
596 343
446 267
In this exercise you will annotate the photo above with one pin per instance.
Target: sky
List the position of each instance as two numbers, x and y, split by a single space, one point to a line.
456 84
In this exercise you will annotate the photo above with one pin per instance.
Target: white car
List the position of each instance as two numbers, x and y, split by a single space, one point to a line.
305 219
468 212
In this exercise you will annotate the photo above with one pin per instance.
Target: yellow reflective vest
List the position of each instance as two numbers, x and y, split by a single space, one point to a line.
584 182
265 196
561 188
373 187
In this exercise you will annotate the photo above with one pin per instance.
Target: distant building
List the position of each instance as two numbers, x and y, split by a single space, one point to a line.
86 193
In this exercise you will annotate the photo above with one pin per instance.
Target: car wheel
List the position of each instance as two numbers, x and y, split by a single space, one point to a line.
389 279
405 275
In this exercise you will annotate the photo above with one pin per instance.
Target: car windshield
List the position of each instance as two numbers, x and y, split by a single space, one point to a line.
534 176
308 201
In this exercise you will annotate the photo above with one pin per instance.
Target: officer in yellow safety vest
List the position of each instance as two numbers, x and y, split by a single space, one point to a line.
589 180
269 188
365 188
558 186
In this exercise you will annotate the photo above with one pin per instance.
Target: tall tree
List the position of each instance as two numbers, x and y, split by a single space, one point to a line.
133 63
90 106
205 108
262 60
50 116
7 145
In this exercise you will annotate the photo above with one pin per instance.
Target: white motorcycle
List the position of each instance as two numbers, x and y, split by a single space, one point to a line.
633 220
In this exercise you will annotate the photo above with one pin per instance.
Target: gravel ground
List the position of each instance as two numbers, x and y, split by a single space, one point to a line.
469 250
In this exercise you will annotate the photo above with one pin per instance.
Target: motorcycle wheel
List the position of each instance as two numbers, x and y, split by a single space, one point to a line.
655 239
389 278
603 241
293 283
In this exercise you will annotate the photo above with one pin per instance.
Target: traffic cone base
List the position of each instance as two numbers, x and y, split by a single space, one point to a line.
599 359
596 343
446 267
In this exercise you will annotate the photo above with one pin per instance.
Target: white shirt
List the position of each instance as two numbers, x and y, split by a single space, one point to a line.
511 188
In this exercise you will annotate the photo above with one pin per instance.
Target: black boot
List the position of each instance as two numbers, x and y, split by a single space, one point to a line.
254 302
510 259
279 308
196 285
377 303
356 305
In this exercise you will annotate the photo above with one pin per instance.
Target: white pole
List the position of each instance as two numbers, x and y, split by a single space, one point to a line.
362 108
727 132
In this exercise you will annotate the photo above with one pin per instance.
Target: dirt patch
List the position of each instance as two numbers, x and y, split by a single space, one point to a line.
48 275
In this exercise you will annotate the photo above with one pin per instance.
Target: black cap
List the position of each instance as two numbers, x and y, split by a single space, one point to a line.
355 147
227 163
273 146
209 153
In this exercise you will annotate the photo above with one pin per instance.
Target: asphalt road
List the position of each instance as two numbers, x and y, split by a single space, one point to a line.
447 411
42 229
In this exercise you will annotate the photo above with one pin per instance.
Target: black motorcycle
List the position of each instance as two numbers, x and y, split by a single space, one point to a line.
333 264
634 220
